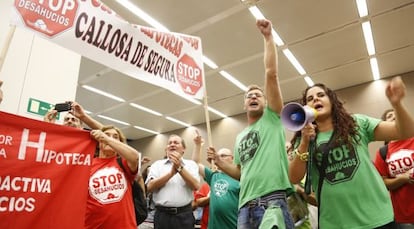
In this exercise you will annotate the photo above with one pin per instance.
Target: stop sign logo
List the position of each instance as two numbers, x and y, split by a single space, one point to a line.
50 17
189 75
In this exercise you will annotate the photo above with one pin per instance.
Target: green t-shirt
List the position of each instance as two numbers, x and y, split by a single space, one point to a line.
353 192
260 152
224 200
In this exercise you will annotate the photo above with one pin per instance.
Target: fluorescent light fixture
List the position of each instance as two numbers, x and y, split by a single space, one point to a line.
106 94
374 68
309 81
256 12
145 109
87 112
258 15
143 15
277 39
209 62
178 121
362 8
294 61
217 112
233 80
369 40
114 120
145 129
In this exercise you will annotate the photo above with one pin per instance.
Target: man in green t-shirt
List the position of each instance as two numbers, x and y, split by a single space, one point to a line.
224 190
260 159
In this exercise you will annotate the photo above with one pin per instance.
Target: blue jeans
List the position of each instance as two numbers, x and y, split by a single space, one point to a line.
250 216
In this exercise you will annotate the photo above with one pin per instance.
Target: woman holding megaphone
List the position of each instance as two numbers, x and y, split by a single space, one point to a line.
349 190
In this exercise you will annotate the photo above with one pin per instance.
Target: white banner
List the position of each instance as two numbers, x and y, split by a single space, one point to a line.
169 60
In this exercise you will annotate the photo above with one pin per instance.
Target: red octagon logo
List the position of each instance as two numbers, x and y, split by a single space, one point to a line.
189 75
50 17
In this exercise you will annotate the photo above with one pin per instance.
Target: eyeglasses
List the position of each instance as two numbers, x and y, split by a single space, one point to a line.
73 119
224 155
255 94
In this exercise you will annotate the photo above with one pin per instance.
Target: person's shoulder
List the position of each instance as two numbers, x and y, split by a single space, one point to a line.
159 162
363 117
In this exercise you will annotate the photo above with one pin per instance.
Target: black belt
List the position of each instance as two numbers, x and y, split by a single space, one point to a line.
174 210
264 200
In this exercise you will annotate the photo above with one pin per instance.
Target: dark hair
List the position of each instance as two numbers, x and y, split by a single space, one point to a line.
384 115
345 127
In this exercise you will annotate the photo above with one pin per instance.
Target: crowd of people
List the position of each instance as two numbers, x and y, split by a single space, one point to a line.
258 184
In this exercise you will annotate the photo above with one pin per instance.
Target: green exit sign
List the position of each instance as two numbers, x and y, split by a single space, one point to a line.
38 107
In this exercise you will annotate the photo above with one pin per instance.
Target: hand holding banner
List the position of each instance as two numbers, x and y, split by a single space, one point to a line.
44 172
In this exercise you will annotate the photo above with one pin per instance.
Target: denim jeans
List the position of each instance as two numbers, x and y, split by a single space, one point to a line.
250 216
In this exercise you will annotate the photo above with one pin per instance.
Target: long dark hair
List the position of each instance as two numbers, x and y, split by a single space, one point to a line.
345 127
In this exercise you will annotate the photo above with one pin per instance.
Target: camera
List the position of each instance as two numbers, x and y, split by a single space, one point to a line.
60 107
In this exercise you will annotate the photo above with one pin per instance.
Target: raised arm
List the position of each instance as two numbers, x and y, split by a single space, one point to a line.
124 150
79 112
403 126
230 169
272 87
196 156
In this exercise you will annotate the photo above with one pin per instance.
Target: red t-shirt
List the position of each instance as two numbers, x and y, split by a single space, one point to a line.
399 159
110 202
203 192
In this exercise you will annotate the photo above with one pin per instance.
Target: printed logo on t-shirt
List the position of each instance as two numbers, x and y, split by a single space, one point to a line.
107 185
400 162
248 146
221 187
341 165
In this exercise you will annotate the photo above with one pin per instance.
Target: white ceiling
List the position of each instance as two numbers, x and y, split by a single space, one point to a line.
325 36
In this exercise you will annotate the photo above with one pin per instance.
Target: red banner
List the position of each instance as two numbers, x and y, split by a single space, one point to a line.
44 171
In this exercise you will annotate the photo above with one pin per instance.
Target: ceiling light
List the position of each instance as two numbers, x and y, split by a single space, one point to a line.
362 8
374 68
369 40
256 12
277 39
294 61
309 81
106 94
209 62
217 112
141 14
145 109
258 15
145 129
114 120
233 80
178 121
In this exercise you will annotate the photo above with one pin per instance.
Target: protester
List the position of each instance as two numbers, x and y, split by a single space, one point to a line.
260 152
109 203
202 201
349 190
68 120
172 182
149 221
224 190
396 167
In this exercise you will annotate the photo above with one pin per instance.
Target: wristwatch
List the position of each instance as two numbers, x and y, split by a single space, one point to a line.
179 169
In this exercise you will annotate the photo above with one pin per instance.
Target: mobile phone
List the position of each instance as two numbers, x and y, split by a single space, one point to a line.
59 107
